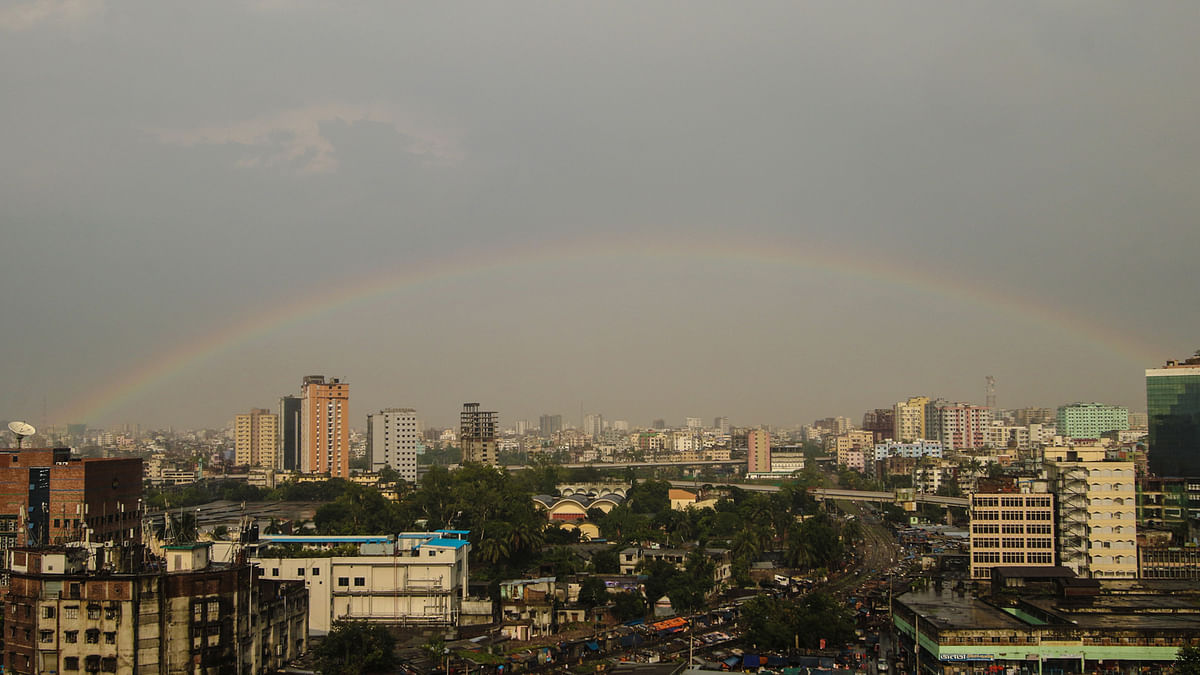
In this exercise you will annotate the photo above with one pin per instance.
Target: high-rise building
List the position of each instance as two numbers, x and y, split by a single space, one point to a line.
1091 420
1173 417
958 425
1097 511
833 425
290 411
880 422
593 426
393 438
477 434
721 424
325 435
758 451
548 425
694 423
256 438
908 419
1026 416
1010 529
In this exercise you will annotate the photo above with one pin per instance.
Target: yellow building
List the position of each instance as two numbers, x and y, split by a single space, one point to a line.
909 419
255 438
1097 511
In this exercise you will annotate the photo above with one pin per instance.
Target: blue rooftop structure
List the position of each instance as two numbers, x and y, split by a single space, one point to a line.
451 543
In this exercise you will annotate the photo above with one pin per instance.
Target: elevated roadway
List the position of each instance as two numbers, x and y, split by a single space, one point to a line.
839 493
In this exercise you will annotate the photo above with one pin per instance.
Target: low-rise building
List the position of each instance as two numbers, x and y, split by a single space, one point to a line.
413 578
1047 621
631 558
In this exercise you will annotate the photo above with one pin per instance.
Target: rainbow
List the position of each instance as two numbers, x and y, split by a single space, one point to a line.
159 368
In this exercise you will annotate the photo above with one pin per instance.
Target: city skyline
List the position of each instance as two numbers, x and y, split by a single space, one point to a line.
778 215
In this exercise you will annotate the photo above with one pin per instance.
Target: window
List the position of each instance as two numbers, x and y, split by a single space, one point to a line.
93 611
274 571
108 664
45 636
110 638
71 636
113 611
343 581
71 663
360 581
300 572
93 663
316 571
92 636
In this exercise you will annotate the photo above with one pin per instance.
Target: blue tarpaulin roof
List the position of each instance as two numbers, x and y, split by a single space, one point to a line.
593 645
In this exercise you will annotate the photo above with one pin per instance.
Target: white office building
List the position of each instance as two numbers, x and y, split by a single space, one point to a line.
393 439
413 579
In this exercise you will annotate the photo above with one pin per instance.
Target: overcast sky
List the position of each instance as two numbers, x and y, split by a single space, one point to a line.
769 211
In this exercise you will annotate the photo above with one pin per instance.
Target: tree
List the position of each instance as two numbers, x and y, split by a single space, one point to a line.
652 496
1187 660
606 561
593 592
355 647
775 623
628 605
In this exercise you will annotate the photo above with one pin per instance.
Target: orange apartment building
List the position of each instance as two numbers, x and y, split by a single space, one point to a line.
325 433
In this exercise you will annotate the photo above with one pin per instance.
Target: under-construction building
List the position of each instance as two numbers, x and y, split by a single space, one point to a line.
477 434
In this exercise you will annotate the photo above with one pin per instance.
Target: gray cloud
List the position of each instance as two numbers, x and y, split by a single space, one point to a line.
172 168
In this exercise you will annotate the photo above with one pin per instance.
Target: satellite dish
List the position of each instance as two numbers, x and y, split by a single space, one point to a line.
22 430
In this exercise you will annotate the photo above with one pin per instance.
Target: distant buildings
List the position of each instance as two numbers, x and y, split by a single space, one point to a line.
393 438
593 426
916 449
256 438
957 425
548 425
880 422
325 434
1091 420
477 434
1173 409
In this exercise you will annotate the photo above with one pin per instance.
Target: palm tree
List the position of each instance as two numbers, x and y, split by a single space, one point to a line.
525 536
493 549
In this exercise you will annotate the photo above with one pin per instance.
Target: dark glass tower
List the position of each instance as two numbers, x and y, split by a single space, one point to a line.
1173 409
289 433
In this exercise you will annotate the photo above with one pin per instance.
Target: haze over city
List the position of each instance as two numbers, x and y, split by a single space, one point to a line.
649 211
